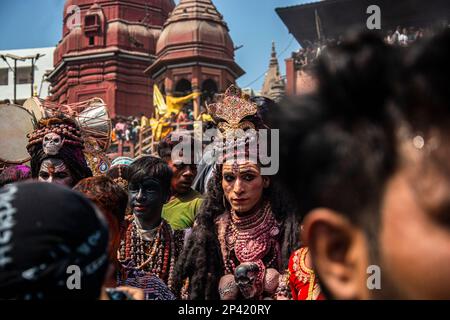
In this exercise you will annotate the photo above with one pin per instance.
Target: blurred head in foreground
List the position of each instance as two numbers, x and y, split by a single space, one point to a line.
367 158
54 244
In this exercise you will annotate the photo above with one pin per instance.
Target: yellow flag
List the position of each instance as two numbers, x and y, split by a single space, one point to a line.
176 104
158 100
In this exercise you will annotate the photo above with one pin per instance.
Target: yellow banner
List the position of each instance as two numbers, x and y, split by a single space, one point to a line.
158 101
176 104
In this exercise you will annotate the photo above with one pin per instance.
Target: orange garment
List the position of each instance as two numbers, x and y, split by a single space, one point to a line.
113 136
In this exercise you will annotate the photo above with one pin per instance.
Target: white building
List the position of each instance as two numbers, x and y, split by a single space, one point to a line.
24 79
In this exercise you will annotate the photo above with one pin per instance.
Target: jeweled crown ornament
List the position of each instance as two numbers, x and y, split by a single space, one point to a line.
232 109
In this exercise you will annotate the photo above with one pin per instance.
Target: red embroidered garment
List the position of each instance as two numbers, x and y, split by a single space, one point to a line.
302 280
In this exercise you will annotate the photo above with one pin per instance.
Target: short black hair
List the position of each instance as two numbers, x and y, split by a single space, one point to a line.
338 145
424 99
150 167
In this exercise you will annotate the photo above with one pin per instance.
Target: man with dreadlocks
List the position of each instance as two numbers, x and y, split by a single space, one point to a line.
245 230
56 150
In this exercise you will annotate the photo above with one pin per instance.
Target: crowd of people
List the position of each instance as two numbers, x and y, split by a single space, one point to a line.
401 36
129 129
363 181
126 129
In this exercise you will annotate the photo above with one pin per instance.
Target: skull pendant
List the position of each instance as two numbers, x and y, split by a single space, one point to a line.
52 143
245 276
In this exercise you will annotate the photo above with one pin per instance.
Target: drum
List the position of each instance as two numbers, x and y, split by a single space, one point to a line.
35 106
93 118
15 124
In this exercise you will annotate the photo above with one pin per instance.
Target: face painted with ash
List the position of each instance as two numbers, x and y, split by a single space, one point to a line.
55 171
146 198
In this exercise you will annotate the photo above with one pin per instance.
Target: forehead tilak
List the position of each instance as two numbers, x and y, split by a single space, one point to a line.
54 164
237 168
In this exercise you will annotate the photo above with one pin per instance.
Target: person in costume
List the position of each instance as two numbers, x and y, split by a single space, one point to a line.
303 280
185 202
119 171
246 230
56 150
112 201
205 167
149 246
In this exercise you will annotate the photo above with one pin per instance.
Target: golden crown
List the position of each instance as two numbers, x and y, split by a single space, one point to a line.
232 109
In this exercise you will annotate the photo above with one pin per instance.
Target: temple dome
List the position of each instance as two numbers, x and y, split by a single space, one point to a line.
196 23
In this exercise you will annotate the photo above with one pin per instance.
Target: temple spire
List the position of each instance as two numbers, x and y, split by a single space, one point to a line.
273 86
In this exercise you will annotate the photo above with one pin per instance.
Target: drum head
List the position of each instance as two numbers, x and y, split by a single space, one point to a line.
34 106
15 124
94 120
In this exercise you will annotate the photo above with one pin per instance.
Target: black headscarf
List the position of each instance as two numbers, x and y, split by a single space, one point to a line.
48 234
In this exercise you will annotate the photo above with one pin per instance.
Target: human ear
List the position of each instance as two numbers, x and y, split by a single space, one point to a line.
339 253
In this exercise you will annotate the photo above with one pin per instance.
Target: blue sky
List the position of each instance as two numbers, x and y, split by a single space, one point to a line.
253 24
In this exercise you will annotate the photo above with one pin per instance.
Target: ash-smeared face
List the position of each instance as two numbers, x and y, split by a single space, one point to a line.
52 143
146 197
55 171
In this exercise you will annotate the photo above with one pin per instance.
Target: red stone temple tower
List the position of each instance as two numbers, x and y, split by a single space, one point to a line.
106 46
195 52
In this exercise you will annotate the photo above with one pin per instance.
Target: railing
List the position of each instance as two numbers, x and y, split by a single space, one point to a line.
146 144
122 148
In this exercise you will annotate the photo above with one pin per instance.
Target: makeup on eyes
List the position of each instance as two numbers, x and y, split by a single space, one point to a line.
55 171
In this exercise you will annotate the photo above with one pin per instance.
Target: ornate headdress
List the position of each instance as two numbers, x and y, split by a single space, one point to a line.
119 171
58 137
54 133
232 109
83 128
236 116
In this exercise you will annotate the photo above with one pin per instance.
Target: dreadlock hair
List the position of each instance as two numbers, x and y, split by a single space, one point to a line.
201 260
150 167
72 157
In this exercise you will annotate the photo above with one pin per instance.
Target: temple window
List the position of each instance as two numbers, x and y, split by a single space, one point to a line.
91 23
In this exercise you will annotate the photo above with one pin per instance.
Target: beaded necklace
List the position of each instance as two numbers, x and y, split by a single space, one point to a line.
155 255
252 238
